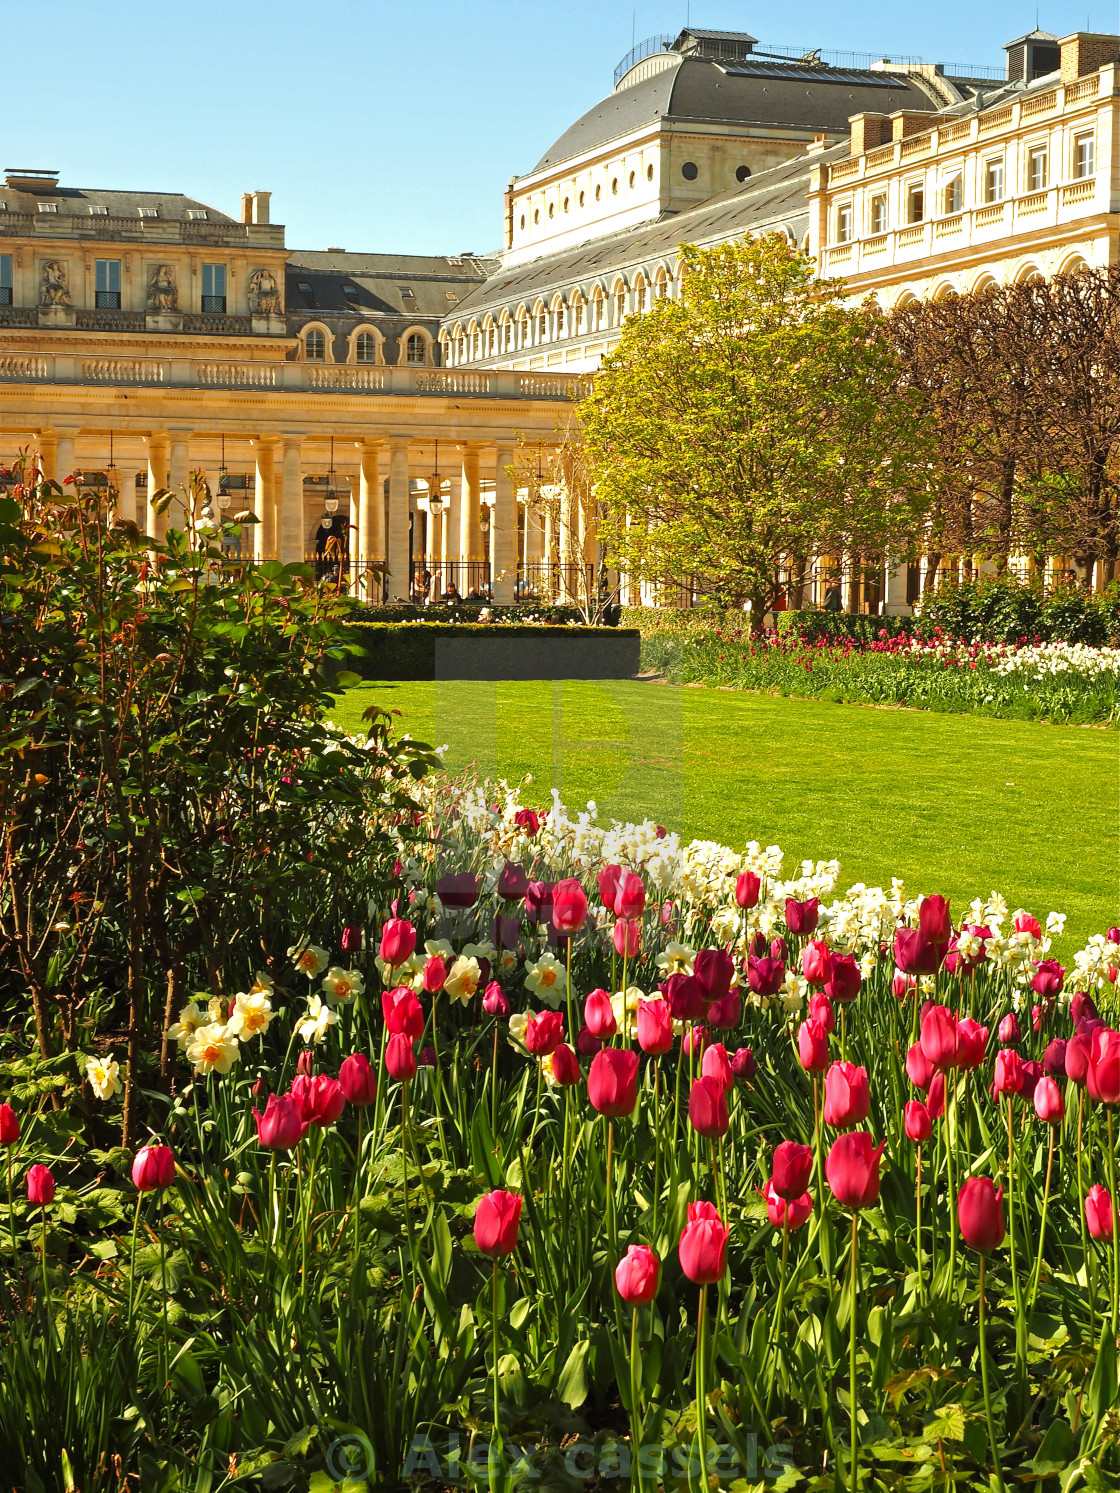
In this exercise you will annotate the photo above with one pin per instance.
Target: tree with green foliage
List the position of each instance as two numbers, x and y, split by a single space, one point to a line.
750 424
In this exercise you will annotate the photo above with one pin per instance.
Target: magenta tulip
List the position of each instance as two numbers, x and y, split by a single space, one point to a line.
707 1107
281 1126
459 890
1008 1031
1048 1102
612 1082
1048 977
495 1002
703 1245
538 902
844 980
847 1096
636 1275
820 1011
513 882
852 1169
765 974
685 998
726 1013
980 1214
783 1213
939 1036
153 1168
802 917
1054 1058
972 1043
358 1080
743 1064
713 970
496 1222
748 888
544 1033
351 939
598 1014
1009 1072
716 1064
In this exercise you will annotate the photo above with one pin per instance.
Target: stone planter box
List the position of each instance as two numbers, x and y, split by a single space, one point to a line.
488 651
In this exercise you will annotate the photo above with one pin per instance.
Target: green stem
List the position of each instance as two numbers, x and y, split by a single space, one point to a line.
918 1194
635 1405
1115 1241
772 1349
496 1440
132 1261
853 1398
1037 1274
701 1387
987 1392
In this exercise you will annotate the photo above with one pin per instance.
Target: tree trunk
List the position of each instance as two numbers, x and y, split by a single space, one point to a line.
929 580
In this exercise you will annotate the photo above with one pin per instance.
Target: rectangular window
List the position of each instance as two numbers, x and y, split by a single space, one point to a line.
954 195
844 224
993 180
148 212
48 207
1037 168
879 214
197 214
1084 155
5 279
915 203
214 288
98 210
107 287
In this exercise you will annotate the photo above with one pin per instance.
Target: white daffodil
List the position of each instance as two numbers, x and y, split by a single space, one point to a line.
340 986
518 1024
548 979
625 1008
318 1021
725 924
462 978
483 950
1055 924
252 1011
190 1019
409 973
262 984
309 959
213 1049
969 946
439 947
794 988
676 959
103 1074
507 961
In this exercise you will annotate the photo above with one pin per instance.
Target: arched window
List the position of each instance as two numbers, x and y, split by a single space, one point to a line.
597 305
491 340
661 289
460 349
577 318
365 348
315 346
415 350
619 303
542 324
561 319
639 296
524 332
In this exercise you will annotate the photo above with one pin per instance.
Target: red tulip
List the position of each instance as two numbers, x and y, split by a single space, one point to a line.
435 973
685 998
764 974
569 906
513 882
153 1168
972 1043
1008 1031
812 1047
1054 1058
934 921
400 1060
655 1025
847 1096
716 1064
703 1245
630 898
351 939
40 1185
903 984
612 1082
852 1169
935 1099
695 1041
748 887
609 877
1009 1072
627 937
820 1011
782 1213
1082 1007
791 1167
321 1099
9 1125
939 1036
1048 977
778 950
358 1080
844 979
802 917
1103 1079
636 1275
919 1069
544 1033
914 954
1024 923
1032 1072
919 1126
281 1126
538 902
816 962
565 1066
980 1214
527 820
1078 1050
598 1013
1099 1214
707 1107
495 1002
398 941
1048 1102
743 1064
713 970
459 890
403 1013
496 1221
726 1013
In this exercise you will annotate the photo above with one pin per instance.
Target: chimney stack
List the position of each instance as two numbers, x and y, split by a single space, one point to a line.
868 132
1086 51
260 201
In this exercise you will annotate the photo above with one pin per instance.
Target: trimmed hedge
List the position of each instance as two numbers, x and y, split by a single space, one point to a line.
468 611
480 650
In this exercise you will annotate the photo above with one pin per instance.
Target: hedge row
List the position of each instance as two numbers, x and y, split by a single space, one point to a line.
411 650
468 611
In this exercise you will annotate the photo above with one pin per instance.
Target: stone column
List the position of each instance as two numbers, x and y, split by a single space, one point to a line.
47 443
470 530
156 524
398 582
894 595
503 523
179 479
290 518
264 537
64 457
371 520
452 531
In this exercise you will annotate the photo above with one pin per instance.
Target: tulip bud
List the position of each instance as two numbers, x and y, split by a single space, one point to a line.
852 1169
435 974
40 1186
820 1010
1009 1072
358 1080
398 941
919 1069
757 945
495 1002
9 1125
816 962
153 1168
627 937
565 1066
281 1126
791 1167
544 1033
919 1126
351 939
400 1060
778 950
785 1214
812 1047
569 906
1099 1213
703 1245
717 1065
655 1025
747 889
847 1096
305 1063
1054 1058
598 1014
630 898
1048 1102
980 1213
695 1042
636 1275
612 1082
707 1107
428 1057
496 1223
1009 1032
743 1064
935 1099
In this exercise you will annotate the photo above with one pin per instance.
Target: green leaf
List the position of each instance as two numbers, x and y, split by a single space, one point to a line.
571 1386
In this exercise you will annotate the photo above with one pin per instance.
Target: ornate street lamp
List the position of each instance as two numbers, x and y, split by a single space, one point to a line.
435 501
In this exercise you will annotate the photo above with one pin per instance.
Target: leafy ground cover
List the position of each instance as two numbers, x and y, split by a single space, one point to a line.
958 802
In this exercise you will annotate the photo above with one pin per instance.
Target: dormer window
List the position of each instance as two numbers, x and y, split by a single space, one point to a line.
98 210
148 212
48 207
350 290
197 214
303 288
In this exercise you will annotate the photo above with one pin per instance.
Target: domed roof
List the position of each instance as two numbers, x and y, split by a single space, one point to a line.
755 91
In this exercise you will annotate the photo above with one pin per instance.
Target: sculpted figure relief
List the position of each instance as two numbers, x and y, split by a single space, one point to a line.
54 288
264 294
163 294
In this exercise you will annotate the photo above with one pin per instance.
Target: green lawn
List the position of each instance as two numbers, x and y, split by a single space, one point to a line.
951 803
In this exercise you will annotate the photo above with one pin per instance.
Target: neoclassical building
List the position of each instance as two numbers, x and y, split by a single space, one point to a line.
369 405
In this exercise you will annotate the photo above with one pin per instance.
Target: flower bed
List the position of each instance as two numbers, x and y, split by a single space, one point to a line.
594 1153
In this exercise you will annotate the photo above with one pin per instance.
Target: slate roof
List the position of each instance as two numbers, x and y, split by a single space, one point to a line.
778 197
412 285
77 201
700 90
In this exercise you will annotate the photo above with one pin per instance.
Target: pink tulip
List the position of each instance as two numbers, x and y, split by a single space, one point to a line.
747 889
612 1082
1099 1214
939 1036
703 1245
496 1223
812 1047
903 985
1009 1072
791 1167
321 1099
495 1002
609 878
914 954
934 920
565 1066
153 1168
816 962
544 1033
802 917
1048 977
281 1126
655 1025
685 998
587 1044
935 1099
1103 1078
972 1043
400 1059
847 1096
1024 923
358 1080
726 1013
782 1213
820 1011
9 1125
569 906
919 1126
765 974
716 1064
1032 1072
743 1064
1009 1032
435 974
844 979
1048 1102
919 1069
695 1041
630 898
403 1013
980 1214
852 1169
40 1186
627 937
707 1107
398 941
598 1014
636 1275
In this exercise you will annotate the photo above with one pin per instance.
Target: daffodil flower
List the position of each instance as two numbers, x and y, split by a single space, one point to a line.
213 1049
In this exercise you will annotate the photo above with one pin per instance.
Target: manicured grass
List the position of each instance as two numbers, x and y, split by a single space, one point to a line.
955 804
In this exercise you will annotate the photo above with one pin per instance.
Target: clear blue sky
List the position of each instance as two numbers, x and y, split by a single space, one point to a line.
389 126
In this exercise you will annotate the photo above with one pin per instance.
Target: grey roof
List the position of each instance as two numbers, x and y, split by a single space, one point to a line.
778 197
1034 35
698 89
379 284
170 206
